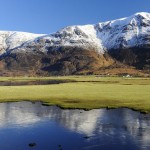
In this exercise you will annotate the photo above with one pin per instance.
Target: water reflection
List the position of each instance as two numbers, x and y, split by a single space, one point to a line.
95 129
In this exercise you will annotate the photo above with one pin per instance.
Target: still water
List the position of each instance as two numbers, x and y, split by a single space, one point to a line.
27 126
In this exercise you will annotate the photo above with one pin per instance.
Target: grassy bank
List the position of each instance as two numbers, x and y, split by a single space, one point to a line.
86 92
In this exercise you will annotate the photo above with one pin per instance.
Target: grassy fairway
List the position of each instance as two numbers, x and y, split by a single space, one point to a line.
87 92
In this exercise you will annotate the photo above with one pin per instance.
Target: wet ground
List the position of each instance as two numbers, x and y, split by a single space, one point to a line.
36 82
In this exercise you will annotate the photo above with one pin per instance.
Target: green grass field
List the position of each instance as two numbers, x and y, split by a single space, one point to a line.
86 92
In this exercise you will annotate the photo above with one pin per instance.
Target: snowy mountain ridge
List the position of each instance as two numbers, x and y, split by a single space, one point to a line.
13 39
133 31
126 32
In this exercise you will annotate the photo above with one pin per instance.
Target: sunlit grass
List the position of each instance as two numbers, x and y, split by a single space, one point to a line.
88 93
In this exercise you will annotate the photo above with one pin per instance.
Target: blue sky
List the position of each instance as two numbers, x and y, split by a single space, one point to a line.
47 16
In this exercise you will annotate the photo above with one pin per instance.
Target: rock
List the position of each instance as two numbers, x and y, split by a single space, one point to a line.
32 144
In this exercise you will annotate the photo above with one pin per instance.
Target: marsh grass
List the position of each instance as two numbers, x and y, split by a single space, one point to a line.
86 92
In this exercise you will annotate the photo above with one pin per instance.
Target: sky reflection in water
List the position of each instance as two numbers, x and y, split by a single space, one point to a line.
52 128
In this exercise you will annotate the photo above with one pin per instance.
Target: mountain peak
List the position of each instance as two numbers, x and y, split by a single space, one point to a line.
143 14
126 32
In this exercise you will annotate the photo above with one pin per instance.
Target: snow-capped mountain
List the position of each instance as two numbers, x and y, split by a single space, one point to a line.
80 49
126 32
121 33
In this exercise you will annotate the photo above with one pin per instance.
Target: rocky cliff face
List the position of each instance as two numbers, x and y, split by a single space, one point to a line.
113 47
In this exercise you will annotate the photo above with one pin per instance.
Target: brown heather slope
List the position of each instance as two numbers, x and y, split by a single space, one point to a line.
65 61
139 58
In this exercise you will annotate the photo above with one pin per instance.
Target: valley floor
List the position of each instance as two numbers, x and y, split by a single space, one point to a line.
83 92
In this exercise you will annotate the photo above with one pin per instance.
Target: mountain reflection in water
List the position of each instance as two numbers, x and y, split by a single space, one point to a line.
51 126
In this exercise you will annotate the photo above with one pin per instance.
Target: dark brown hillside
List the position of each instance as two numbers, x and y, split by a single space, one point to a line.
63 61
136 57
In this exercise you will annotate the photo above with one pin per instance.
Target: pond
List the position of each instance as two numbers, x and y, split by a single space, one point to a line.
34 82
27 126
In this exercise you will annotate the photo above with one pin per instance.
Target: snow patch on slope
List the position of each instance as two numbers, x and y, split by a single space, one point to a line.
13 39
125 32
71 36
